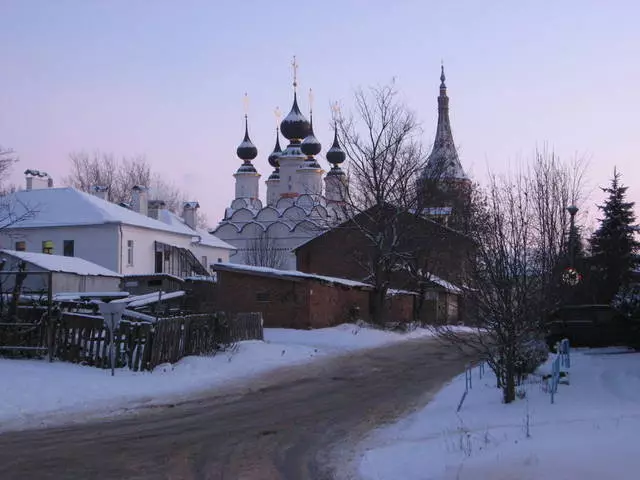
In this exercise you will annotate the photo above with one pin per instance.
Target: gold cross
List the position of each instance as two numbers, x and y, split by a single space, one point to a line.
294 64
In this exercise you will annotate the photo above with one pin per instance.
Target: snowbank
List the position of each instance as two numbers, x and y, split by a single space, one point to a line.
589 433
38 393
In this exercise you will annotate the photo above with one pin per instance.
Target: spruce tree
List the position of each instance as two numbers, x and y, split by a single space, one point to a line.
613 245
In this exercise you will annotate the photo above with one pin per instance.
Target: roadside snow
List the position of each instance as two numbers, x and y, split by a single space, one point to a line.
38 393
589 433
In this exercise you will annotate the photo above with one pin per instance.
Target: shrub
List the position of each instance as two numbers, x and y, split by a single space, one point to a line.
530 356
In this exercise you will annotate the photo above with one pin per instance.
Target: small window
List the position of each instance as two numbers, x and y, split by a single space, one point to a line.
219 260
263 297
47 247
68 248
130 252
21 246
204 261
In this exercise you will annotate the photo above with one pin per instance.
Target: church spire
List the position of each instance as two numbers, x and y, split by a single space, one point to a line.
443 161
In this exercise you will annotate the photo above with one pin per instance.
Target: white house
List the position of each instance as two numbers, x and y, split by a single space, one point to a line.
66 274
72 223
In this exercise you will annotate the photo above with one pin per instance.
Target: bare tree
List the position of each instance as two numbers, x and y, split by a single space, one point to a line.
263 251
519 228
8 159
120 176
382 142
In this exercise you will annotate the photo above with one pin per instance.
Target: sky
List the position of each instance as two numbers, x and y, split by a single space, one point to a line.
166 79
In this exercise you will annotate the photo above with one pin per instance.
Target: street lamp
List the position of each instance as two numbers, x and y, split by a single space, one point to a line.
572 209
571 276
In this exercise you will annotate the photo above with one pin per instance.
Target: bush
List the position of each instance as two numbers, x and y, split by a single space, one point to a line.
531 355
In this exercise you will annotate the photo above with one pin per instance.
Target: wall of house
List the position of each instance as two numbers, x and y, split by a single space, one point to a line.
342 252
95 243
214 255
144 249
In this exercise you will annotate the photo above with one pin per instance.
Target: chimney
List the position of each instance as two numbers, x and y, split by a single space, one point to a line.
37 180
189 214
100 191
154 207
140 200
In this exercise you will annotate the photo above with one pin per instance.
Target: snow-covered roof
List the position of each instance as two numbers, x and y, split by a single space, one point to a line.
205 238
64 207
273 272
448 286
58 263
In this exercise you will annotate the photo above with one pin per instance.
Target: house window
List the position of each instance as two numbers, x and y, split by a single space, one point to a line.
204 261
263 297
130 252
219 260
21 246
47 247
68 248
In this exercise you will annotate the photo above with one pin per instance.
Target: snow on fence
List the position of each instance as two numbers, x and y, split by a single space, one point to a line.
80 338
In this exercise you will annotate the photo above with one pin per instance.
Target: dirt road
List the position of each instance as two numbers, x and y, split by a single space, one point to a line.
295 424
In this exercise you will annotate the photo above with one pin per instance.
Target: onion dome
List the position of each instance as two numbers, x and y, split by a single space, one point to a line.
335 155
275 155
336 171
310 146
295 126
246 151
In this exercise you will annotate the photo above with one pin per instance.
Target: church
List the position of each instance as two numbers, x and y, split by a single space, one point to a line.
303 200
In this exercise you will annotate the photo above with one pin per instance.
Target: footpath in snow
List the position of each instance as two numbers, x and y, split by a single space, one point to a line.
37 393
591 432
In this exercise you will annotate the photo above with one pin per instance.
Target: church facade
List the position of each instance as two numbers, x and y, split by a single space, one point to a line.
302 200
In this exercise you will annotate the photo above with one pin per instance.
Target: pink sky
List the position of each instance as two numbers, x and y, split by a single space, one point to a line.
166 79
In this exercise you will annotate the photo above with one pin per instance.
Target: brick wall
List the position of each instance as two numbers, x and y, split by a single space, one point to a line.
332 305
341 252
282 302
400 308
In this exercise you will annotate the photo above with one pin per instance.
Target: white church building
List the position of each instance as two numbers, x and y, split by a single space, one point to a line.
302 200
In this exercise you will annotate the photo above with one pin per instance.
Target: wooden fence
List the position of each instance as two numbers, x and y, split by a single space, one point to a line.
143 346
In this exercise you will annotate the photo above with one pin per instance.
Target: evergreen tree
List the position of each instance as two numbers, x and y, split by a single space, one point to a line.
613 245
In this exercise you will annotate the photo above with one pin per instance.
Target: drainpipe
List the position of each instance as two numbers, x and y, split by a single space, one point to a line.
120 250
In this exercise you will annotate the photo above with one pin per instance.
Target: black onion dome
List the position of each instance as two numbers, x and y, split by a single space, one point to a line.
295 126
246 150
310 145
335 154
275 155
336 171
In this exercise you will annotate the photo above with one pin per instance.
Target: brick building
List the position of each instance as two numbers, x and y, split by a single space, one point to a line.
292 299
431 258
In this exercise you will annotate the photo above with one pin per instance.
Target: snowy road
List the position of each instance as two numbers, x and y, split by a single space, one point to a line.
292 424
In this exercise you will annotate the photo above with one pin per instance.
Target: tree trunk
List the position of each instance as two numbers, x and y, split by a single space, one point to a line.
377 306
509 387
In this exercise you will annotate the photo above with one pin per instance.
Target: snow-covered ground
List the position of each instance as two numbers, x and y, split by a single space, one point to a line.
589 433
38 393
